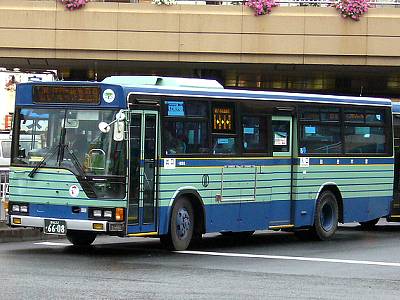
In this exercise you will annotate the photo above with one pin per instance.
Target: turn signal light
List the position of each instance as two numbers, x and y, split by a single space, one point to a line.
17 221
119 214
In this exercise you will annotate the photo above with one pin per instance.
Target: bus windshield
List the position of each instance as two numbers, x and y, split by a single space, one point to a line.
68 139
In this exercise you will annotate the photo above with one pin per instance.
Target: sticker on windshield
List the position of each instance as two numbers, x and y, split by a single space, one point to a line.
108 95
74 191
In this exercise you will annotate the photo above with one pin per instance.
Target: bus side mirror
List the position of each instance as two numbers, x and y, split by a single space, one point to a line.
21 153
119 128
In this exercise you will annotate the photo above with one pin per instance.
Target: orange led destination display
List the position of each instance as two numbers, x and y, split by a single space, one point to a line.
222 119
66 94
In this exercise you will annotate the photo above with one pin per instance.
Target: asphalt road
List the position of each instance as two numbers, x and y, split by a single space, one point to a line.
270 265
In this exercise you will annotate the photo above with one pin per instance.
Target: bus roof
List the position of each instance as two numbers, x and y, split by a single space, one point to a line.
163 81
123 86
396 107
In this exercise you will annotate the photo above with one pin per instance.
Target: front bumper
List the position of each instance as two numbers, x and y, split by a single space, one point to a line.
37 222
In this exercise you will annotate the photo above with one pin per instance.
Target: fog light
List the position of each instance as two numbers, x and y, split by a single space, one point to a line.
98 226
23 208
15 208
17 221
119 214
107 214
97 213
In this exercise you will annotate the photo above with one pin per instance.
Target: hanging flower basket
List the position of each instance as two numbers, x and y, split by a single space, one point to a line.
353 9
261 7
74 4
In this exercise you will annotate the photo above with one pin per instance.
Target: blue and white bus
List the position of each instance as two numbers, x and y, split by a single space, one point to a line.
177 158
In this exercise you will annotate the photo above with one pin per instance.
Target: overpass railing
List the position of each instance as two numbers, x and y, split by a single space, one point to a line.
317 3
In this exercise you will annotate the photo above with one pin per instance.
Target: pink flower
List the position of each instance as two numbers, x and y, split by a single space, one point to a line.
261 7
74 4
352 8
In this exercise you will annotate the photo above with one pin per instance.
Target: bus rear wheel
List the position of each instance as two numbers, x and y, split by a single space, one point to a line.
81 238
181 226
326 216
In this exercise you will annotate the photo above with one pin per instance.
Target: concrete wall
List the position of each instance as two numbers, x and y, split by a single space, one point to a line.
40 32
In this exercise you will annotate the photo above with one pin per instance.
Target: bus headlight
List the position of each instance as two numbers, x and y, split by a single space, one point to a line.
15 208
23 208
97 213
107 214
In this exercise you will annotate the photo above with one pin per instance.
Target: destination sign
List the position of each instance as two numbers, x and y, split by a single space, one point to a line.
57 94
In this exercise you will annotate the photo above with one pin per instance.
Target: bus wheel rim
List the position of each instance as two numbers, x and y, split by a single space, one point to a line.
327 217
182 223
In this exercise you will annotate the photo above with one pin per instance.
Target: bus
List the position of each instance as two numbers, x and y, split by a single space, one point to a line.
395 208
175 158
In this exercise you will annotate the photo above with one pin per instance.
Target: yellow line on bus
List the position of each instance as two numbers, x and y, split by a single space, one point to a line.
281 226
143 234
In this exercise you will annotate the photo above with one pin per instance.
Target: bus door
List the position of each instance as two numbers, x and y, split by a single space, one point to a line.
281 187
143 170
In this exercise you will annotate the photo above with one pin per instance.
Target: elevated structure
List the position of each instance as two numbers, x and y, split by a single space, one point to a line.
120 38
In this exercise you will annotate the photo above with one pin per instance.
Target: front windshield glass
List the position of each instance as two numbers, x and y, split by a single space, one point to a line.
39 133
97 153
71 139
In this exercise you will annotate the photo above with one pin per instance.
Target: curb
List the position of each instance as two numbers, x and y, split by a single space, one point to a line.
8 235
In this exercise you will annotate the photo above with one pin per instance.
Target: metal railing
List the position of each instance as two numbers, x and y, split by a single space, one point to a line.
4 179
316 3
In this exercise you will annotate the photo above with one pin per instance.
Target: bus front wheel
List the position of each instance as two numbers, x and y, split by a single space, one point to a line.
326 216
81 238
181 226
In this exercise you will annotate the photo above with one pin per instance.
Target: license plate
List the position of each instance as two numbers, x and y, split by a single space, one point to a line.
55 227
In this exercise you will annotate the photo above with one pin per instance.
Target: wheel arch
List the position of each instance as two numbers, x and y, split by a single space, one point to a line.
332 187
196 200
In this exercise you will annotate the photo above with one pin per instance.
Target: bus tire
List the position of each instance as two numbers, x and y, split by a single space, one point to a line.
80 237
326 216
181 226
369 225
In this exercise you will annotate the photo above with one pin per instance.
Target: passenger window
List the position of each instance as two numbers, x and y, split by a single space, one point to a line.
320 139
364 139
224 145
364 132
254 130
185 129
185 137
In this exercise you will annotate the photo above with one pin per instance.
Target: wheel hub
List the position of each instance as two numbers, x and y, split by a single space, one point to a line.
182 223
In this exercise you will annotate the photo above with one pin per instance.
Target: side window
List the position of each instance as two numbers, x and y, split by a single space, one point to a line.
364 132
6 149
254 130
185 128
281 136
320 131
224 138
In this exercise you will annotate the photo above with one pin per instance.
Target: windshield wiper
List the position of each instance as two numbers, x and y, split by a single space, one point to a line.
49 154
84 181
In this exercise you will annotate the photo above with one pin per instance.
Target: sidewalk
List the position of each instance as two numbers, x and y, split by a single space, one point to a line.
8 234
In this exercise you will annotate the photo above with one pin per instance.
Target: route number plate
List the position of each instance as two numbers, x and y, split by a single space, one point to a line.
55 227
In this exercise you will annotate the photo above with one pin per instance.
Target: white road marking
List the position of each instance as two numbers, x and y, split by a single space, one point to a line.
298 258
53 244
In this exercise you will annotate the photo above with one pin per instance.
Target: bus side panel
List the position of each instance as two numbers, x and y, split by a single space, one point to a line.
366 187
